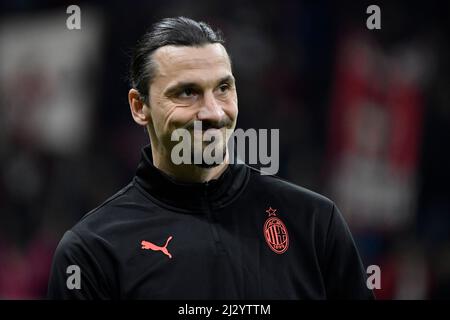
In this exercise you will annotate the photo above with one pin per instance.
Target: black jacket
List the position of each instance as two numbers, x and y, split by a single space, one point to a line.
242 236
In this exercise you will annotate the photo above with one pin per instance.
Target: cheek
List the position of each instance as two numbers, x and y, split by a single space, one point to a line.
231 109
160 111
177 117
157 117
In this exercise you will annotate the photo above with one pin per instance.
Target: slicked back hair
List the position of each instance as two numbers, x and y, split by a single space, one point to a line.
179 31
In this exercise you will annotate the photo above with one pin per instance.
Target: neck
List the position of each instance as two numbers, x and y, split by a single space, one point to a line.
188 172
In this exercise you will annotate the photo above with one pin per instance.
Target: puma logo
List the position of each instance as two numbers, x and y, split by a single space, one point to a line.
148 245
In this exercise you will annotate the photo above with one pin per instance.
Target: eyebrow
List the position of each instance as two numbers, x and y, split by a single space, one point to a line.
183 85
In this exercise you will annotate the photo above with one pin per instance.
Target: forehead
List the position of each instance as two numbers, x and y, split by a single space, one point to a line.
183 62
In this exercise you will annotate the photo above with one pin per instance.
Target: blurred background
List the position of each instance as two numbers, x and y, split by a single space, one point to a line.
364 118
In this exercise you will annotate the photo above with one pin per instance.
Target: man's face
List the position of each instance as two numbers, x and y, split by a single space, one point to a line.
192 84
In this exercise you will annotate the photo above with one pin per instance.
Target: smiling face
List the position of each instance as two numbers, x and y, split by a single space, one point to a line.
191 84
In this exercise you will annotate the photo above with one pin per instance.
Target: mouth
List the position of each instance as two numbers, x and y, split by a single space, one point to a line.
208 131
208 125
211 132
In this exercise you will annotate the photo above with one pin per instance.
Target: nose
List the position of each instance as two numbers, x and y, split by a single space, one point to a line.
211 110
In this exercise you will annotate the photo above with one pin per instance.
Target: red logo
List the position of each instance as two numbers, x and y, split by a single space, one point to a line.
148 245
275 232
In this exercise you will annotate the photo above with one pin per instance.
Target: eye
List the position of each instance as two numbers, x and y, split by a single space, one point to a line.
187 93
224 88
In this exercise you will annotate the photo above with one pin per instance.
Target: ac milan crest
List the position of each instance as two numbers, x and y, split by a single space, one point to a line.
275 232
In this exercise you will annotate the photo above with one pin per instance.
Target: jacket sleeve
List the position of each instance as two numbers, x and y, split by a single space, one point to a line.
344 274
75 272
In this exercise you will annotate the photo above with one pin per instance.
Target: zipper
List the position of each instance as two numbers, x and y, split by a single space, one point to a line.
219 247
211 219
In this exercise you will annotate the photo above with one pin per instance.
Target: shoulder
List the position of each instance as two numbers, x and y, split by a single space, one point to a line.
102 221
288 191
90 240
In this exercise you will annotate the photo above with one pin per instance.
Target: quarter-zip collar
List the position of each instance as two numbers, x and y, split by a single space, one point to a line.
188 196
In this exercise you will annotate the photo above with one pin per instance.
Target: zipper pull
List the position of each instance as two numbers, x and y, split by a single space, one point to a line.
205 188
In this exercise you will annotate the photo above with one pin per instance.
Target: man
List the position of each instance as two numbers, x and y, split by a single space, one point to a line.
202 230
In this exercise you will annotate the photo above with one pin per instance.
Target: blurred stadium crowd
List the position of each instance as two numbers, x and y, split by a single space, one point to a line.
364 117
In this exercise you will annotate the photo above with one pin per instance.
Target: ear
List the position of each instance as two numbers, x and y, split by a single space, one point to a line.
138 108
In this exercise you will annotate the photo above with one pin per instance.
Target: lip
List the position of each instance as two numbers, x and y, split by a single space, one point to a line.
208 131
212 130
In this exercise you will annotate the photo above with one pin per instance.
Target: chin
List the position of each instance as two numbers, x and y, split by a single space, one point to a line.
207 166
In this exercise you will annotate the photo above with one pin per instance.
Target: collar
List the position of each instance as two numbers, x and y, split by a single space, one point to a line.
188 196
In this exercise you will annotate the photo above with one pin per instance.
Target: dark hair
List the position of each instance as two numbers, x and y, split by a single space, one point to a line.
179 31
